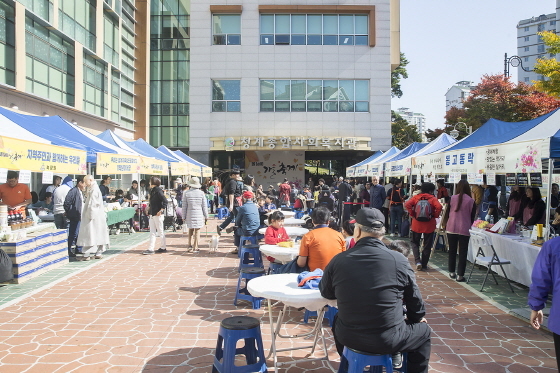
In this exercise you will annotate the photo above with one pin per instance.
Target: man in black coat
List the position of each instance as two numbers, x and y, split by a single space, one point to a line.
73 204
371 285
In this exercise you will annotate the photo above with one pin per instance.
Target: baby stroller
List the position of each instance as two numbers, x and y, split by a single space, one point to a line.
170 219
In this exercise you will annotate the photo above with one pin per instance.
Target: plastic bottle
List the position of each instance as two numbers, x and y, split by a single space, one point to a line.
491 219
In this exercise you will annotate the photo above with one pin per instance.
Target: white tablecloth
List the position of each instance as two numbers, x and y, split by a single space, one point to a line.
287 214
284 288
292 231
282 254
291 222
521 253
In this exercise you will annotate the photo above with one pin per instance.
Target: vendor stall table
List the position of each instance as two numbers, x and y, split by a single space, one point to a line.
284 288
282 254
291 222
121 216
287 214
517 249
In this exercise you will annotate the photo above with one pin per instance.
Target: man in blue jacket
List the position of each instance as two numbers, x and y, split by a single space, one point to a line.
248 220
73 204
545 280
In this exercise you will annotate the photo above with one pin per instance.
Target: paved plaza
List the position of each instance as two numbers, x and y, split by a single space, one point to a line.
160 314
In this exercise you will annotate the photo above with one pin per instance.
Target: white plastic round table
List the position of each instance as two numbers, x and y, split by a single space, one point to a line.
284 288
292 231
282 254
291 222
287 214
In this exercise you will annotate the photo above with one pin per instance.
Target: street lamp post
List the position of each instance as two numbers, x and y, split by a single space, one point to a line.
454 133
514 61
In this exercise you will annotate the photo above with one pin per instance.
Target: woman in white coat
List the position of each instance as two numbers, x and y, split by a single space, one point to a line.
94 233
195 212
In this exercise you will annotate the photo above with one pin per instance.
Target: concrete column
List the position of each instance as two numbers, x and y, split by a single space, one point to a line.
142 74
79 76
20 46
109 91
55 18
99 28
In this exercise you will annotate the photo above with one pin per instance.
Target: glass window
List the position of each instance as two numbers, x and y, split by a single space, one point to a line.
227 29
314 29
226 95
314 95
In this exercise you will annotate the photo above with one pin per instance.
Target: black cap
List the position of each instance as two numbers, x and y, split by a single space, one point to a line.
370 217
235 172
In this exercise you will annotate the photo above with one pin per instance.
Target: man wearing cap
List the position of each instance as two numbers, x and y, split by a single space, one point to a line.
232 192
248 220
371 284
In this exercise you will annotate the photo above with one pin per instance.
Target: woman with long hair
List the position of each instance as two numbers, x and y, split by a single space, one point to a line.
516 202
461 211
534 211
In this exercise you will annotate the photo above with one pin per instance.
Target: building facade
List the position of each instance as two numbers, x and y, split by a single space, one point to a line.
530 45
458 93
76 59
222 80
415 119
290 76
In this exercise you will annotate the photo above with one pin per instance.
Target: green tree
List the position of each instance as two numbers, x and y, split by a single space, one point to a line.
396 76
498 97
549 67
402 133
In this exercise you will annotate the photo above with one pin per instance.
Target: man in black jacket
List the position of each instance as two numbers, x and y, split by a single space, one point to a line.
73 204
371 284
232 192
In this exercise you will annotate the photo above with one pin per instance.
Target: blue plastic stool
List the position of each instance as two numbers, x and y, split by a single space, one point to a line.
299 214
222 212
242 293
250 257
273 268
232 329
242 239
329 315
354 361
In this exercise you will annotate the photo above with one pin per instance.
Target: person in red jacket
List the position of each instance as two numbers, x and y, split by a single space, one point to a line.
425 228
275 233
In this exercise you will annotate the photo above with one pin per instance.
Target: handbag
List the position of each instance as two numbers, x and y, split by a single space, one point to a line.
292 267
6 273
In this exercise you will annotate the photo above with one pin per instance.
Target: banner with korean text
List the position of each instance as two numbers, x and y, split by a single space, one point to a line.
350 171
398 168
502 158
375 170
18 154
272 167
179 168
152 166
206 172
118 164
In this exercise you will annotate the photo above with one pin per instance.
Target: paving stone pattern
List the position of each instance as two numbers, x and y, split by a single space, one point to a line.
161 313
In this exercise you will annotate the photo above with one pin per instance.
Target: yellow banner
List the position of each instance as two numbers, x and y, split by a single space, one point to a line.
152 166
194 170
206 172
118 164
179 168
27 155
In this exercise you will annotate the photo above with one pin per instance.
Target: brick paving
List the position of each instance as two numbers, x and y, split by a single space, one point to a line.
161 313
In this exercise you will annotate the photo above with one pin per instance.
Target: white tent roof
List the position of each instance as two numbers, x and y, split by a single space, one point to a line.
11 129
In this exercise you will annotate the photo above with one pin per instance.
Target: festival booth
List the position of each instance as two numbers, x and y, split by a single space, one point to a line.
181 167
375 168
395 166
206 171
351 171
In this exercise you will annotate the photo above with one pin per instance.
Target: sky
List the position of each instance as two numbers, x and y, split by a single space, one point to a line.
447 41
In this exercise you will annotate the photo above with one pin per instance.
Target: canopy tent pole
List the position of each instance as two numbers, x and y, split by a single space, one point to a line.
548 197
89 168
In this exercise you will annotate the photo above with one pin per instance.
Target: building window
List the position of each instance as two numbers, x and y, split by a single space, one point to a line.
552 55
226 29
541 27
526 28
314 29
540 48
526 49
95 85
226 95
41 8
314 95
7 44
526 59
526 38
526 79
111 41
553 23
77 20
50 64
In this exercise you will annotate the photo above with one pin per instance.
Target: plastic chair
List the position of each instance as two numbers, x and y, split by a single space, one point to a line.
232 329
252 239
329 315
273 268
242 293
222 212
250 257
479 240
299 214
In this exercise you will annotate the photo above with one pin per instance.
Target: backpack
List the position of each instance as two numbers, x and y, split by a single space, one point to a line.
423 210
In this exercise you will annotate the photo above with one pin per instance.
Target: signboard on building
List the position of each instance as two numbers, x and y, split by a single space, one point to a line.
271 168
286 143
